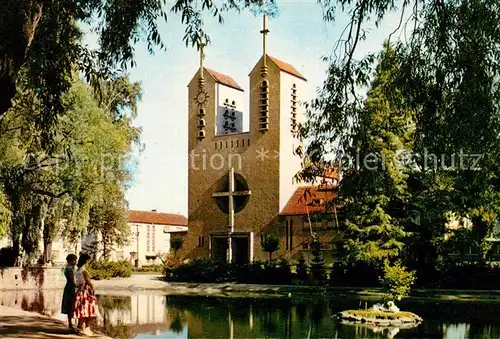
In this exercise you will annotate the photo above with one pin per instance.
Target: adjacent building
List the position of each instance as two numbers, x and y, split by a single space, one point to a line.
150 235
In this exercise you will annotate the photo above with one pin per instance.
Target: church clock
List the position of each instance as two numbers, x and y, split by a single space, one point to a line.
201 97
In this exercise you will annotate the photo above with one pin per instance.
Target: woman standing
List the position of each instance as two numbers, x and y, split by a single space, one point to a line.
68 299
85 301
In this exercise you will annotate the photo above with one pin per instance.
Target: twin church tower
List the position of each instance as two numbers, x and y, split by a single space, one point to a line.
240 181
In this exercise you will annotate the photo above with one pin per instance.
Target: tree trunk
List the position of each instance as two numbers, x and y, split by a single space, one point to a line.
18 23
47 242
47 251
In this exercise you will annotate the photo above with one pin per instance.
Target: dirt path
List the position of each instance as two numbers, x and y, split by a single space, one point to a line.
16 323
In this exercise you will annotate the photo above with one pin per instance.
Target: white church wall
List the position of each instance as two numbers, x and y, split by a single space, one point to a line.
234 98
290 164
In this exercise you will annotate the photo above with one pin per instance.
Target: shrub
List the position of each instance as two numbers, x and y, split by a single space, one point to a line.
269 244
396 281
318 264
101 270
149 269
176 244
302 268
198 270
210 271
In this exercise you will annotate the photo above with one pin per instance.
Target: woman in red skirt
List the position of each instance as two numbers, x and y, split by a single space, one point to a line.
85 301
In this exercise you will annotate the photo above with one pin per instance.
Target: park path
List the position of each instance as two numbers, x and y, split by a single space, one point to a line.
16 323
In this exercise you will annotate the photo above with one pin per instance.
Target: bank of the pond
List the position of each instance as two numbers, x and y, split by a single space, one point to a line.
154 283
16 323
53 280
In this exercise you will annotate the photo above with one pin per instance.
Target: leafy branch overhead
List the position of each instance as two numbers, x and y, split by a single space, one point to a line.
45 41
425 114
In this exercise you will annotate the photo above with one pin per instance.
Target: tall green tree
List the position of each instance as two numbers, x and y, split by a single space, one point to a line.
52 193
374 188
448 75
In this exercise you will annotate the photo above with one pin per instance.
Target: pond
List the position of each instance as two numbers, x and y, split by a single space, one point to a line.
142 316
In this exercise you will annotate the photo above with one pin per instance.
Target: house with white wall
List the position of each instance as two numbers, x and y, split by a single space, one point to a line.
150 234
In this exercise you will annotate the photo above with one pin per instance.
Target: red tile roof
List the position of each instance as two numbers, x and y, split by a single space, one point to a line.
309 199
157 218
287 68
223 79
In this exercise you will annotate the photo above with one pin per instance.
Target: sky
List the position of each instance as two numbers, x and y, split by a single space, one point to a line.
298 36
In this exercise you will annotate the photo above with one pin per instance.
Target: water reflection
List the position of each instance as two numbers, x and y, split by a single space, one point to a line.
143 316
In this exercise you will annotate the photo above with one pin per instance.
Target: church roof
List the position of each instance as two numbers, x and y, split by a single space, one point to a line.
309 200
223 79
287 68
156 218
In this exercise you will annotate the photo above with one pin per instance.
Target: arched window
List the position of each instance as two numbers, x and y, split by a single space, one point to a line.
202 123
201 134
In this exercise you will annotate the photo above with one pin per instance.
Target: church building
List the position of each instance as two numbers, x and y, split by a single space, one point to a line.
241 183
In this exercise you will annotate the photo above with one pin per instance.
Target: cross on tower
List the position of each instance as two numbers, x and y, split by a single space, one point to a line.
264 32
202 57
231 194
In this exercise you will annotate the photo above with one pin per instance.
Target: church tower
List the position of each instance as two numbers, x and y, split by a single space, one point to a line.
240 181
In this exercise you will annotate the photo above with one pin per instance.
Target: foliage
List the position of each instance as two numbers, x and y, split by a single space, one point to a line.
150 268
102 270
427 165
301 268
210 271
176 244
318 263
45 41
269 243
86 171
396 281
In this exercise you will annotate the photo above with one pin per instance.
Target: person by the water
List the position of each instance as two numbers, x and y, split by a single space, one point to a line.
69 294
85 300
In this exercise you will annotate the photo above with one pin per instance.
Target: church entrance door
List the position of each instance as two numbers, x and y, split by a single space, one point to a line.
241 247
219 247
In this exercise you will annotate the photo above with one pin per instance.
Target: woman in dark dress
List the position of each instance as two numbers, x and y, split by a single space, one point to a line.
68 299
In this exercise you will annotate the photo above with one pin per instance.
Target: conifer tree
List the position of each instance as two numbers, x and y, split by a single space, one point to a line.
301 268
318 263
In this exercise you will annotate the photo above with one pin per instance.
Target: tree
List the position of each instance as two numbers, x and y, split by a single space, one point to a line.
396 281
89 164
374 187
108 225
301 268
447 73
176 244
269 244
318 263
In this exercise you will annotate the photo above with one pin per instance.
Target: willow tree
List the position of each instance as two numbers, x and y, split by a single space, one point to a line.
448 55
52 193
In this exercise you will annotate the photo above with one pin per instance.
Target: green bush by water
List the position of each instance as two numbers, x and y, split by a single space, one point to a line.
101 270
